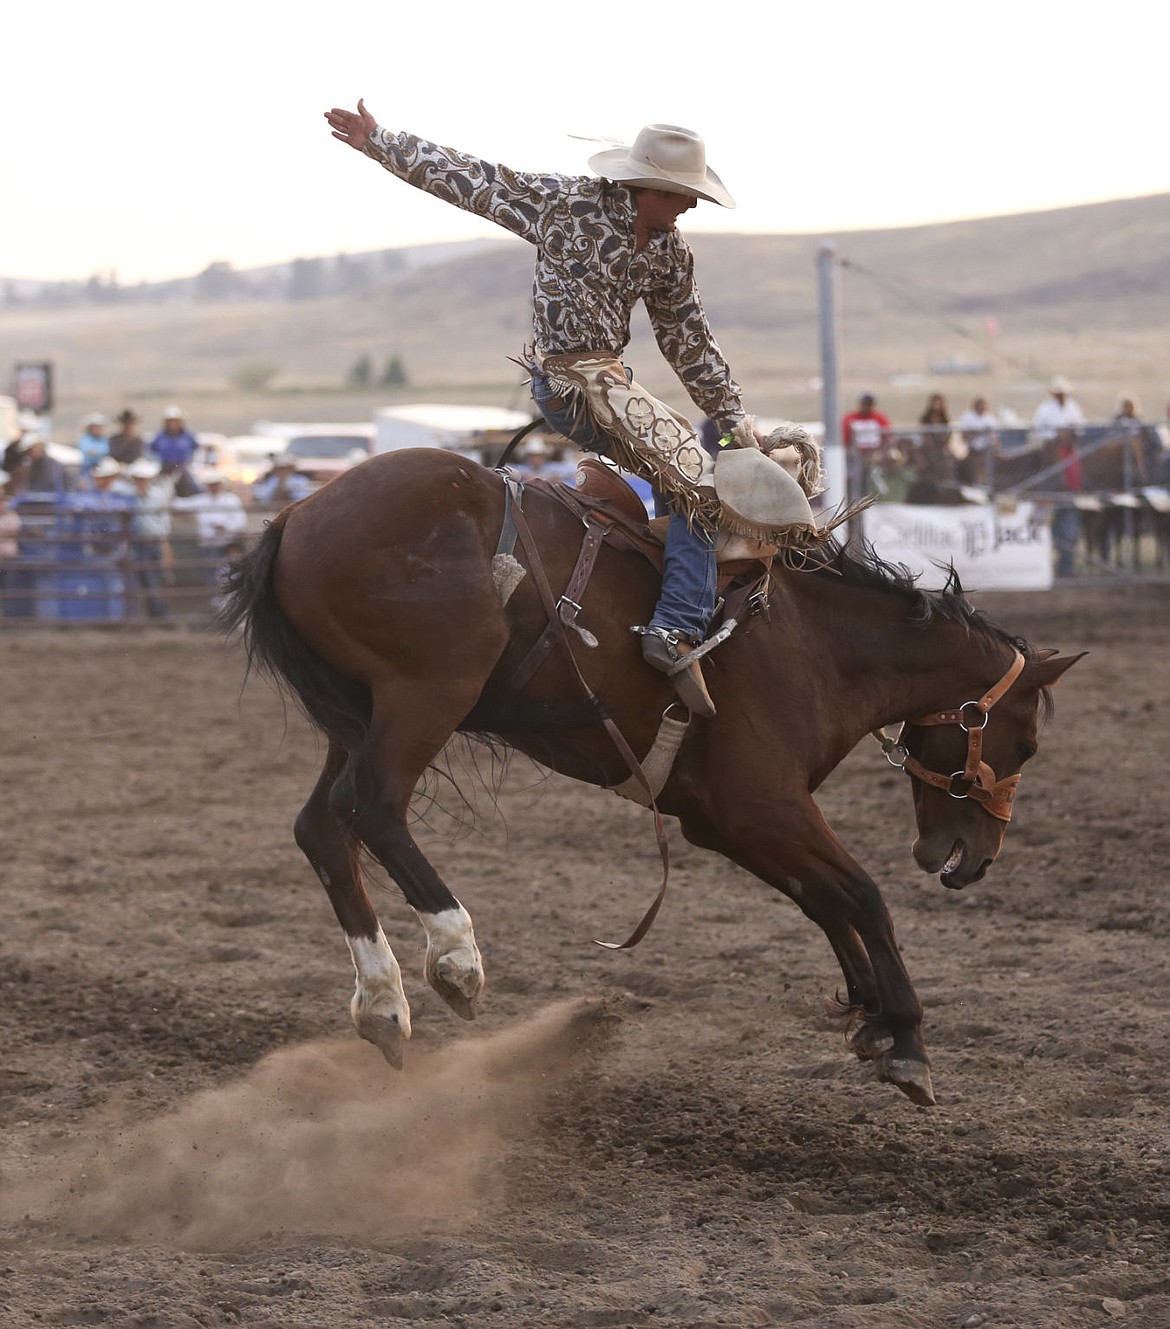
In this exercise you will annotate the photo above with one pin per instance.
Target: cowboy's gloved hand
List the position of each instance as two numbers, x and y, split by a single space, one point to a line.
742 436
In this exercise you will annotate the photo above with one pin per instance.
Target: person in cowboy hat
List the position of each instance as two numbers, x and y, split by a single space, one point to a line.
92 443
604 243
127 445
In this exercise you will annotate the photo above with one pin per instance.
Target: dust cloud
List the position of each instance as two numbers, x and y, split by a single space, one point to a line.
322 1138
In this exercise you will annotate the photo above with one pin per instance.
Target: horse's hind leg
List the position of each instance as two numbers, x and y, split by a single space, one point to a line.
411 723
379 1006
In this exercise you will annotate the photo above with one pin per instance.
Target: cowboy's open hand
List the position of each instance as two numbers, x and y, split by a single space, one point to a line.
352 127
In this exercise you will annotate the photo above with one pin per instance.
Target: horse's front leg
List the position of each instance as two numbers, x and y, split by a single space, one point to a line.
379 1007
793 849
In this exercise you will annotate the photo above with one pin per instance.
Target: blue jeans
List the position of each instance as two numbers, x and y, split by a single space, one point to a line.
148 555
687 601
1066 530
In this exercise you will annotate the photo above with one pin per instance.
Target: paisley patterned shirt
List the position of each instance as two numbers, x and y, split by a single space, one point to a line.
588 275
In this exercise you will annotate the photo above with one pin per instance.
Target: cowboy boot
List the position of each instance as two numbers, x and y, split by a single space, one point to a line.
663 650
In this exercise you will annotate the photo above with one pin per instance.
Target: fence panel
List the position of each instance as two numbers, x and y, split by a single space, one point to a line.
79 563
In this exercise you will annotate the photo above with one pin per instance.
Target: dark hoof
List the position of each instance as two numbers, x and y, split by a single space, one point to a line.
912 1077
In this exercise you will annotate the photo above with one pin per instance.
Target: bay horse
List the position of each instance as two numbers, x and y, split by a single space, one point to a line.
372 603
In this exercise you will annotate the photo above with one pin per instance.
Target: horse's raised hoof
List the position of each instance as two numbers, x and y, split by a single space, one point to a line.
453 966
461 1005
459 983
912 1077
385 1032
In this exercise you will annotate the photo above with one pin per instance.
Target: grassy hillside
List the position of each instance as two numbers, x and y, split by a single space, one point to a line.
1082 291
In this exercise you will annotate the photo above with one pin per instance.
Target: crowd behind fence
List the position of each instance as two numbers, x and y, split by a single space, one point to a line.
1104 487
82 558
76 563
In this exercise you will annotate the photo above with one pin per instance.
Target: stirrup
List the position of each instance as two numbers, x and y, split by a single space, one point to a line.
662 650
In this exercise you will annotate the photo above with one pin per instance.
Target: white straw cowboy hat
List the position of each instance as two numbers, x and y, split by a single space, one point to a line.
664 157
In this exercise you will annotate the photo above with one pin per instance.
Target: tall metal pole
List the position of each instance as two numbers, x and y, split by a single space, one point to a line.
832 447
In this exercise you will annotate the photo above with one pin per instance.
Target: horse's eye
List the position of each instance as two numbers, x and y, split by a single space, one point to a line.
1025 751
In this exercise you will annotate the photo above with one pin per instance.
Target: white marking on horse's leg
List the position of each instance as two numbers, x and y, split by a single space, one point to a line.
379 1007
454 967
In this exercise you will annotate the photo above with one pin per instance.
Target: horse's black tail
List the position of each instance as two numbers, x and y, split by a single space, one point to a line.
337 705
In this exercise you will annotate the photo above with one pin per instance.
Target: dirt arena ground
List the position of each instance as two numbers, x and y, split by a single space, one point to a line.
193 1136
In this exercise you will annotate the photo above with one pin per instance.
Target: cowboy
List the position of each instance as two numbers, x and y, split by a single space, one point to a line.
603 244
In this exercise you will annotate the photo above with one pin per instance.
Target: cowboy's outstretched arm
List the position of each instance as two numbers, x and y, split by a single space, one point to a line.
516 200
352 127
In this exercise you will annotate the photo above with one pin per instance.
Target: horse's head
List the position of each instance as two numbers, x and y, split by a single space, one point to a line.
965 765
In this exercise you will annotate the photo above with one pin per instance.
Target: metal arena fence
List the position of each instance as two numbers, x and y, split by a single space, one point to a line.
81 563
1106 491
1105 488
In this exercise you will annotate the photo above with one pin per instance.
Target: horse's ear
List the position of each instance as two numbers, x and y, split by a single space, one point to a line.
1050 667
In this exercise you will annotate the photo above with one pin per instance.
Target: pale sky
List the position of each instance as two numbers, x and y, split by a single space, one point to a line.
151 140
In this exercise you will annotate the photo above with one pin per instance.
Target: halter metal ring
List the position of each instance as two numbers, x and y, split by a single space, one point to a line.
897 755
984 716
958 775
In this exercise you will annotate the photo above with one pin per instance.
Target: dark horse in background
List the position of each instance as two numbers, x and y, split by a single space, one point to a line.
1104 471
373 603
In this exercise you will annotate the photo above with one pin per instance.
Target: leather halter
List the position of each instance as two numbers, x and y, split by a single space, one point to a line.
976 780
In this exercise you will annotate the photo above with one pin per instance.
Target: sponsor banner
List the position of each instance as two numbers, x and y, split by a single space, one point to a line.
992 550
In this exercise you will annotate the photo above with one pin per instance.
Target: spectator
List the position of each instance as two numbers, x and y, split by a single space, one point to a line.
220 519
1058 421
935 462
13 461
1160 471
92 444
108 536
150 528
283 483
174 446
863 432
9 537
979 428
896 473
1057 412
534 460
105 472
1146 446
935 412
1127 419
128 444
42 474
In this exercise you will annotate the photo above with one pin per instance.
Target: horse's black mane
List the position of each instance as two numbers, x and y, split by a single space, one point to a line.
857 563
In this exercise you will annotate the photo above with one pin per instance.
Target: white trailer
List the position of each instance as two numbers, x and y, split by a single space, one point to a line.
464 429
